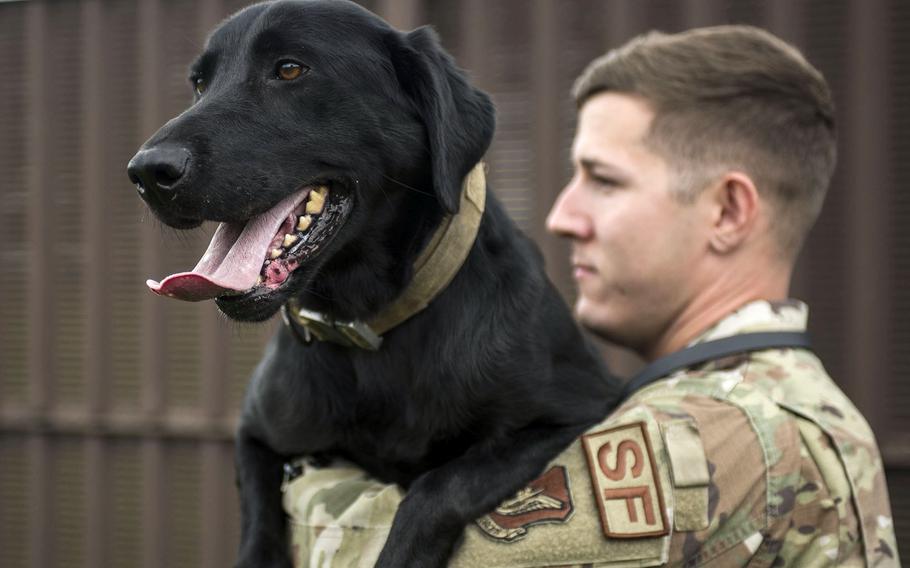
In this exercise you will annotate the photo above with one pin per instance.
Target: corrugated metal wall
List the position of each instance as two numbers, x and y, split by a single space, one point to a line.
116 407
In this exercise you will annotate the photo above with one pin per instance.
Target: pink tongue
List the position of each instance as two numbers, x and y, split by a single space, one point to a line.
234 258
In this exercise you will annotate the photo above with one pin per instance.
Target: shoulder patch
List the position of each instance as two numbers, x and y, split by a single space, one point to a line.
626 485
545 500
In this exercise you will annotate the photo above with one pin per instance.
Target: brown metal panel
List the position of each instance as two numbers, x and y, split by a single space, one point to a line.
699 13
39 363
783 19
125 478
96 237
898 484
39 490
625 19
868 198
472 40
825 26
94 222
63 211
153 509
214 492
40 343
97 486
899 244
121 85
66 533
14 358
153 355
214 333
215 338
547 135
402 14
182 494
231 524
507 45
15 515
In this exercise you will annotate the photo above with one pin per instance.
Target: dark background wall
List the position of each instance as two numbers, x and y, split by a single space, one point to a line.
117 407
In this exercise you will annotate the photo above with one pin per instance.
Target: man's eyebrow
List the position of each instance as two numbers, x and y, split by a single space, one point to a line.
590 164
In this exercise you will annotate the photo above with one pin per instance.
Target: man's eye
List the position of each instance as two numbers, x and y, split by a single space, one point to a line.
199 85
605 181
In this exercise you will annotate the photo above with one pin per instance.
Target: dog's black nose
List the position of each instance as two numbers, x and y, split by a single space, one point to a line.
158 170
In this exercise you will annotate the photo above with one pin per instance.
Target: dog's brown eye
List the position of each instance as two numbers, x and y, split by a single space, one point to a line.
199 85
288 70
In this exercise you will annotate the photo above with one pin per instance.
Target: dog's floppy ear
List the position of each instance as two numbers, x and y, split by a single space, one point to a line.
459 119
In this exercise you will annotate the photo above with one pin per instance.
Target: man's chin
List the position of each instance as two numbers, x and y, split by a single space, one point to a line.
592 320
604 324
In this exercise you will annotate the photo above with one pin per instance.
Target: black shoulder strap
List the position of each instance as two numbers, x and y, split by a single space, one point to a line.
716 349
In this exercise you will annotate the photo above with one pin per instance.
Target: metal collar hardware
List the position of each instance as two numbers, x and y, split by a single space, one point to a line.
322 328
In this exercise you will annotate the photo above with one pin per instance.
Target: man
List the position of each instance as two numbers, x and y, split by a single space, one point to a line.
701 161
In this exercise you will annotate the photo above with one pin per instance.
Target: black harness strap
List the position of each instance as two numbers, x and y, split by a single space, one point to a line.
712 350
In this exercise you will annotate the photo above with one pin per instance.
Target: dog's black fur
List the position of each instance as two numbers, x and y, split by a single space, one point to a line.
465 402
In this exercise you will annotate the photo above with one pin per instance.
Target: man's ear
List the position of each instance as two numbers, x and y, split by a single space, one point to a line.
736 208
458 118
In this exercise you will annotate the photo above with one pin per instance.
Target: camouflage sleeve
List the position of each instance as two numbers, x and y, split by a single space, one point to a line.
338 516
727 516
823 529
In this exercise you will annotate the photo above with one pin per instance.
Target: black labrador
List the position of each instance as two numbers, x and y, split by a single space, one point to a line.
332 148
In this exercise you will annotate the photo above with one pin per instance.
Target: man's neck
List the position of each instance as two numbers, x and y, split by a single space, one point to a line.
716 301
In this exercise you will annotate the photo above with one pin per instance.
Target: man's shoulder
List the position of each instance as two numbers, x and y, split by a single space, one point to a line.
780 439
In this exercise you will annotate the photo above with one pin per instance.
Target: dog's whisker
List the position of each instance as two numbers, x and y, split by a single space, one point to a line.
315 293
406 186
386 195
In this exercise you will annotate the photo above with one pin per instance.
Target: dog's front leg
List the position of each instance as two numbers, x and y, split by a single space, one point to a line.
440 503
263 533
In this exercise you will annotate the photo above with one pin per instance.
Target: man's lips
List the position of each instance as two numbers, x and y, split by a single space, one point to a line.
582 269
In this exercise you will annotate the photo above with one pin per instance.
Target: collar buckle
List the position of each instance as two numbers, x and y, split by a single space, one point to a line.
319 326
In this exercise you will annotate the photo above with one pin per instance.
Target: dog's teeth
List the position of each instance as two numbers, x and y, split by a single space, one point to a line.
315 204
266 263
276 252
260 280
289 240
322 190
304 223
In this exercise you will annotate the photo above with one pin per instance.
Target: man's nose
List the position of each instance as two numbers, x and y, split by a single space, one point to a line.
158 171
564 219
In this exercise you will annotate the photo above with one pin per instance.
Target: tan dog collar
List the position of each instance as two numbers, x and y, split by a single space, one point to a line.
434 269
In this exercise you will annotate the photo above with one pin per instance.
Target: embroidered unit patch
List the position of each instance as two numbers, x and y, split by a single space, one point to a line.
625 482
547 499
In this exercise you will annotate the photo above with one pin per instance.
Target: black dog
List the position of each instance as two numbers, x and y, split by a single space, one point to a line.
333 148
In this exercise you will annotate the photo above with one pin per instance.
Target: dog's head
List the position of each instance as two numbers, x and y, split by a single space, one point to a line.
316 132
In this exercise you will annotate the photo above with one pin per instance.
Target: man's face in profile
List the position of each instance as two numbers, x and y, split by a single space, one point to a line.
634 245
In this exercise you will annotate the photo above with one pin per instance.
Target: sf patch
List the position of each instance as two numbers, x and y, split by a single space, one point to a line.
625 482
545 500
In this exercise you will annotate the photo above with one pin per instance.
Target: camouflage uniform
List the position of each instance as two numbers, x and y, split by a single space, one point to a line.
754 460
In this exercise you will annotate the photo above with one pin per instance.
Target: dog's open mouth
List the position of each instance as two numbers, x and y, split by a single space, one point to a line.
259 255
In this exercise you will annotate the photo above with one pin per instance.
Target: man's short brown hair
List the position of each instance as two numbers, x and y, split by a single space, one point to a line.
731 97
